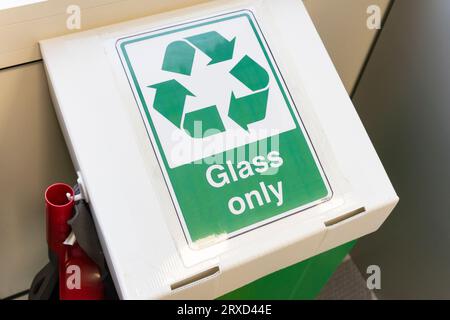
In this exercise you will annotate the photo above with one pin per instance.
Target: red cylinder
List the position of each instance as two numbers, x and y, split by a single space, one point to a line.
59 209
79 276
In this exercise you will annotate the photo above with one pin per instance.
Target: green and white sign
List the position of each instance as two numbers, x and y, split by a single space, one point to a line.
232 148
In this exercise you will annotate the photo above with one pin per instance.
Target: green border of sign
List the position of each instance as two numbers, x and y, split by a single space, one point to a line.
244 13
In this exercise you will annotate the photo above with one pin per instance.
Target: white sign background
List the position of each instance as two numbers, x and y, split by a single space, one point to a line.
211 85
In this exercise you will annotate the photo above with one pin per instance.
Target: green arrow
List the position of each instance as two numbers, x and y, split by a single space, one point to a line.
179 57
248 109
203 122
250 73
169 100
214 46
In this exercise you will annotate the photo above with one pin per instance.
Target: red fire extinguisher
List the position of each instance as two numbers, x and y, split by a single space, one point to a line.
79 276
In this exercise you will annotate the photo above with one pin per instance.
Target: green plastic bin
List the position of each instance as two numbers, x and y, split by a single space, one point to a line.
300 281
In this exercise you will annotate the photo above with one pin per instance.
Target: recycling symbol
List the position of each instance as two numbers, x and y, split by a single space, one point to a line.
170 96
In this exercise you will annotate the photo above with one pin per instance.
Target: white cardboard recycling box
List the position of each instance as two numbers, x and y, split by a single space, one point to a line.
216 145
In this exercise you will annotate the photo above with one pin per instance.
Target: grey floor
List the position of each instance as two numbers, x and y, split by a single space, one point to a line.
346 283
